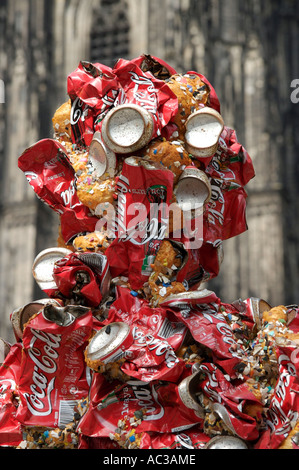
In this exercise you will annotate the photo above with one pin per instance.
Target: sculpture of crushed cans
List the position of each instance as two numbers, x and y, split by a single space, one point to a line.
128 349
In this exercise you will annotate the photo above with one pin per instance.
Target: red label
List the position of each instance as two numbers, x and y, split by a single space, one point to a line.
53 370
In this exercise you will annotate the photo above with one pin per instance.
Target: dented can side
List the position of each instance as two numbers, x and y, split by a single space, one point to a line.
101 158
43 266
20 316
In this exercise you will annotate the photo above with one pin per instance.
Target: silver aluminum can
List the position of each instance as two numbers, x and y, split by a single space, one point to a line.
187 391
22 315
102 159
4 349
127 127
110 343
190 297
226 442
43 266
193 189
203 129
63 316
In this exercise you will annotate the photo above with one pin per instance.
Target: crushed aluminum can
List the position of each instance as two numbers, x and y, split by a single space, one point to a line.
4 349
53 373
102 158
187 391
110 343
83 277
226 442
21 316
52 177
203 129
127 127
257 306
99 264
193 189
43 266
190 297
63 316
223 413
160 69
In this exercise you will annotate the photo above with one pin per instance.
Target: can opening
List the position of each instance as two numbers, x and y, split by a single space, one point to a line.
107 341
30 310
191 194
203 129
43 266
126 127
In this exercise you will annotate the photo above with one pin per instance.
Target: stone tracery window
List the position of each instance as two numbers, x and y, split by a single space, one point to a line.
110 32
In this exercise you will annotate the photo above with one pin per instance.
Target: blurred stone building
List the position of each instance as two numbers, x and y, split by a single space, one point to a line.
249 51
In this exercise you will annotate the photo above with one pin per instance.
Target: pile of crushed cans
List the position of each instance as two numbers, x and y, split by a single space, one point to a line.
128 349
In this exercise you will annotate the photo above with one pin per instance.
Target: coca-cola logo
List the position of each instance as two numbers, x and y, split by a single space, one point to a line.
109 100
147 398
69 196
211 386
216 204
162 348
280 419
144 92
140 229
158 346
44 353
6 385
219 165
79 110
31 176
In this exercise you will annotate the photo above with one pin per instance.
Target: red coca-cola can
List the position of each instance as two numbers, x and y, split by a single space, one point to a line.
53 374
52 177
